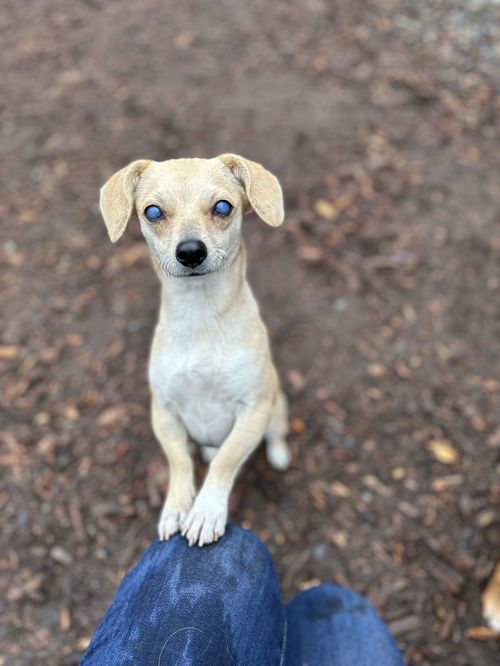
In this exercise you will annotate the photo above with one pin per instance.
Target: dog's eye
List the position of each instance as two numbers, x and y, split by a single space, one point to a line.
153 213
223 208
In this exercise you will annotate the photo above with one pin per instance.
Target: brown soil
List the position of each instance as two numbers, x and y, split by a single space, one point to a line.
381 292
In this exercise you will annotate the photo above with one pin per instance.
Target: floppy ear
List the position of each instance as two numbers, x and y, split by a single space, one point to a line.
117 197
262 188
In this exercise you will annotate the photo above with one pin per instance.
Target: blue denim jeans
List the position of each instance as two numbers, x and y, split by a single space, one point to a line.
221 604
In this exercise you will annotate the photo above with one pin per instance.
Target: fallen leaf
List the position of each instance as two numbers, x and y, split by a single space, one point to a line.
112 415
297 379
374 483
65 619
71 413
339 489
444 482
325 209
494 439
83 643
61 556
310 253
376 370
307 584
339 539
443 451
398 473
8 352
298 426
491 385
485 517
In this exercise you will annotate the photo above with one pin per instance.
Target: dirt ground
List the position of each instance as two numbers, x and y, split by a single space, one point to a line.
381 292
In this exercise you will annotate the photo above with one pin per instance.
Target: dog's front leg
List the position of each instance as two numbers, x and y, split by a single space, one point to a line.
172 436
206 521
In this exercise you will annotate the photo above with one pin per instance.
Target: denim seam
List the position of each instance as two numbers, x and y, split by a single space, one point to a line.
283 644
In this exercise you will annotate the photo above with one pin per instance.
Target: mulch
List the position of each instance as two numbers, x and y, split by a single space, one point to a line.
381 293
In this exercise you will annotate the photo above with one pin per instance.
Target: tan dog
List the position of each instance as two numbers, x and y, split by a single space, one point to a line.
211 374
491 600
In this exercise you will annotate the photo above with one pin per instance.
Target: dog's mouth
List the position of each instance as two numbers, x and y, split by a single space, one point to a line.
173 269
192 274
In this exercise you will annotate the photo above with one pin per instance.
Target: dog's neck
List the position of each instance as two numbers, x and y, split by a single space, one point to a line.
205 297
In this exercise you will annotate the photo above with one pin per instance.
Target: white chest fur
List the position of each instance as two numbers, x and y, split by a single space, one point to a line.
205 363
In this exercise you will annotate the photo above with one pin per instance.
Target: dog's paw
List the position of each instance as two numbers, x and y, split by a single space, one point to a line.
170 522
278 455
206 522
174 512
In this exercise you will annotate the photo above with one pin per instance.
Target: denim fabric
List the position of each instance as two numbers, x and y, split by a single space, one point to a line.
221 604
216 605
331 626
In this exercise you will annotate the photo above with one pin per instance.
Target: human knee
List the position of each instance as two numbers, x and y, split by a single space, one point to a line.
326 600
238 551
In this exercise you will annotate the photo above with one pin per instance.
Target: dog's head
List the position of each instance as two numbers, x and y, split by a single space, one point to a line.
190 210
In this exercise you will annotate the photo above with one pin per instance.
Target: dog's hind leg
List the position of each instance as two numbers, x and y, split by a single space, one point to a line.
277 450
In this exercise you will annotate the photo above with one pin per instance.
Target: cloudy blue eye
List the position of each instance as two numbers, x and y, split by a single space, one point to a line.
153 213
223 208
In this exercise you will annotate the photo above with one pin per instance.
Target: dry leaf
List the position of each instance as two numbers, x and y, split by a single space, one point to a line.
112 415
339 489
298 426
398 473
325 209
376 369
307 584
310 253
83 643
297 379
443 482
443 451
8 352
65 619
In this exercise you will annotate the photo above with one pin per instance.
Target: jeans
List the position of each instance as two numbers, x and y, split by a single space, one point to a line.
221 604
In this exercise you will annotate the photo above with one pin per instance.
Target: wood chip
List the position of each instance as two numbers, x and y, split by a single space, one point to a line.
482 634
444 482
404 625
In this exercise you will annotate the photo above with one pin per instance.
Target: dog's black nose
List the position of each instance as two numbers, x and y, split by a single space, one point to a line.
191 253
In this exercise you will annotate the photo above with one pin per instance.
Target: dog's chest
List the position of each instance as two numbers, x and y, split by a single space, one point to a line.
206 384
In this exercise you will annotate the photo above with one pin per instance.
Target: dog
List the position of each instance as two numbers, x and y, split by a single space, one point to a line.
490 600
211 374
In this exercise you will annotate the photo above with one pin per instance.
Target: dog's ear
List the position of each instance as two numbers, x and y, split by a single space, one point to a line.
117 197
262 188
